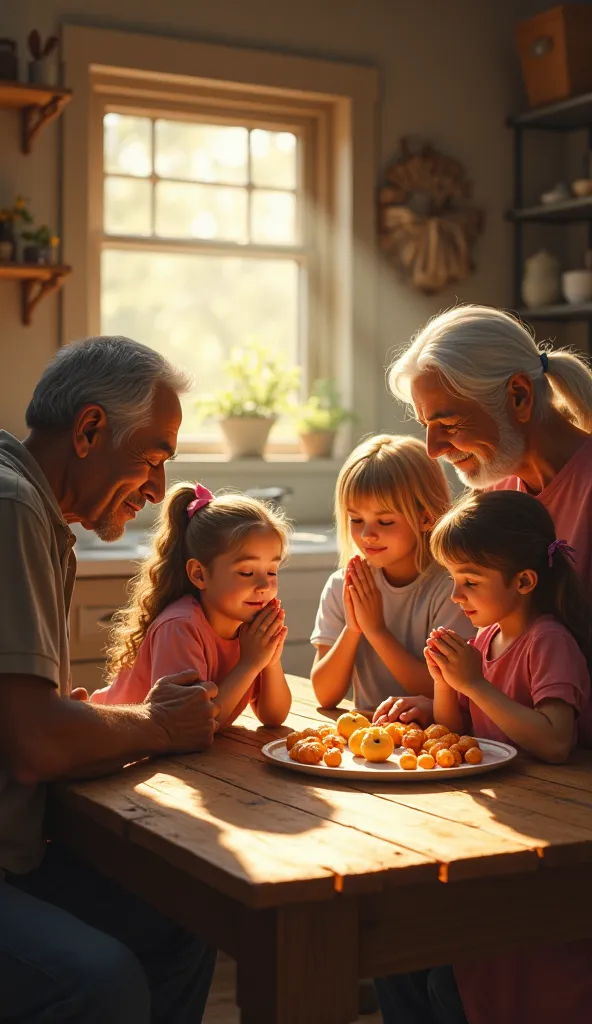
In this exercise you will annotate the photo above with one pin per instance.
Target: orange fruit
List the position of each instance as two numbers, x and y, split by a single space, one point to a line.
377 745
355 741
350 721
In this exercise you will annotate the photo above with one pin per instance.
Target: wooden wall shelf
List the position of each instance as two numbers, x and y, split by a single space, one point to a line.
39 104
37 280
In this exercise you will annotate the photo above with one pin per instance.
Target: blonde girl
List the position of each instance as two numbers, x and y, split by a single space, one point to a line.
378 608
206 600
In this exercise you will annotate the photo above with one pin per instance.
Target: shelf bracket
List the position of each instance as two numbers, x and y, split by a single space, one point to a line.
36 117
32 292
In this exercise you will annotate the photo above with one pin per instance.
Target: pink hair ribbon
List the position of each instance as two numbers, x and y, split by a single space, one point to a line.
202 497
560 545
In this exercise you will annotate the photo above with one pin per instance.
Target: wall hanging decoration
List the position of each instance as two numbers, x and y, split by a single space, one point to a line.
423 232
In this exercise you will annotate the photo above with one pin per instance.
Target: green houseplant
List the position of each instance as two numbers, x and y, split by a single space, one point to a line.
42 247
10 216
260 387
318 420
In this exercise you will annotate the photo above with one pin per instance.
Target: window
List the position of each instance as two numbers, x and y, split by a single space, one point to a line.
214 194
203 243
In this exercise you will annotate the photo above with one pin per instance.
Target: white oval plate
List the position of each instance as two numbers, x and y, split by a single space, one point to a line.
495 755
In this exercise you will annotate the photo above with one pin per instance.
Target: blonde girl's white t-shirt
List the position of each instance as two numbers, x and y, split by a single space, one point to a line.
410 613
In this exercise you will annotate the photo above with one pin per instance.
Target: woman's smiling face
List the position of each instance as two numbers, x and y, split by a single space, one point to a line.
482 450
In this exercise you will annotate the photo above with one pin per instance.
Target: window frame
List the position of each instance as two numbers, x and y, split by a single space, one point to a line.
334 105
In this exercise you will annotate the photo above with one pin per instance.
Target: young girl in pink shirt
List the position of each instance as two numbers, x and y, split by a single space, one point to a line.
206 600
523 679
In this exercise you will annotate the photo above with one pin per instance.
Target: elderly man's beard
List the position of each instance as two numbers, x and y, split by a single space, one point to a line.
487 472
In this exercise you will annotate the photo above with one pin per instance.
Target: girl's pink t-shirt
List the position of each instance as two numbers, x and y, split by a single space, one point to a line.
545 662
554 982
180 638
568 499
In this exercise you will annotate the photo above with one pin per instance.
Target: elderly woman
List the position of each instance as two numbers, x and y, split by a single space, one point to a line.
507 414
73 946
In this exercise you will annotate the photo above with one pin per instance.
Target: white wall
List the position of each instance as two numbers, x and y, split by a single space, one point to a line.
449 74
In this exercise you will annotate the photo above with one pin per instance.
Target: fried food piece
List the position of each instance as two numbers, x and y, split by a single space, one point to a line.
308 751
426 761
396 731
445 758
450 739
325 730
355 741
414 739
408 761
311 733
376 745
292 738
332 757
458 754
436 731
332 740
436 747
474 755
429 745
466 742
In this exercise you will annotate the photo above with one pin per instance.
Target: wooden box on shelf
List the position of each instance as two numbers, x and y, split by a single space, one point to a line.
555 50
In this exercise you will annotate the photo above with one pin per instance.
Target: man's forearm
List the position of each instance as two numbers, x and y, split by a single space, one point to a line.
78 740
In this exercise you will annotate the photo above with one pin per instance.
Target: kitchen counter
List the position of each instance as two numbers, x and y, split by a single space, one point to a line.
311 547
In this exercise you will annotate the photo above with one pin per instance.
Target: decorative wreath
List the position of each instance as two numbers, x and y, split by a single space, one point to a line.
430 247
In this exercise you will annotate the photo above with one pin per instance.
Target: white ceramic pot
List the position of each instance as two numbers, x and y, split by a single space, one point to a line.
541 280
577 285
246 436
44 71
318 444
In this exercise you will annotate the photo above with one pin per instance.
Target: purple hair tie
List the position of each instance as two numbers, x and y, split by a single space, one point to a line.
202 497
560 545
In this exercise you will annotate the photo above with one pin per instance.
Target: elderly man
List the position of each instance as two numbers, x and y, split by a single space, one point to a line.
102 422
506 414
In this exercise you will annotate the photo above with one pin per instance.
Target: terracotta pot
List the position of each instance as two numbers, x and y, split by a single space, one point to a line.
246 436
318 444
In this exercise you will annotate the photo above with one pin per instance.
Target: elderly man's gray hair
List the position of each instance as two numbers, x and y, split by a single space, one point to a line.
116 373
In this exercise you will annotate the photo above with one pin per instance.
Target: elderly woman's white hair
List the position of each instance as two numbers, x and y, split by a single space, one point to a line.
476 349
116 373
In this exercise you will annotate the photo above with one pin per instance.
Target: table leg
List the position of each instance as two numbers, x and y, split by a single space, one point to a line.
300 963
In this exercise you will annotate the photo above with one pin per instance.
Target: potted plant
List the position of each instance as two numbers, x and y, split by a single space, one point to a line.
43 245
10 216
319 419
43 68
260 388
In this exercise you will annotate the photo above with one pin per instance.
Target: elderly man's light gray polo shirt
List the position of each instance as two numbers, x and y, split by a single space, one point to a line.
37 571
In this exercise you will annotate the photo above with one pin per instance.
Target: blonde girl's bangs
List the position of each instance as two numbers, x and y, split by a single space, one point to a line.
398 474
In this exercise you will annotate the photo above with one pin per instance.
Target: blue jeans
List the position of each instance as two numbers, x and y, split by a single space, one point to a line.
76 947
421 997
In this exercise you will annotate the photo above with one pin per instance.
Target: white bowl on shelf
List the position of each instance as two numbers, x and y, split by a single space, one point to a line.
577 286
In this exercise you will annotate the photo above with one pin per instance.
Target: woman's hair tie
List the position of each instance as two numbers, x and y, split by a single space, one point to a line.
544 361
202 497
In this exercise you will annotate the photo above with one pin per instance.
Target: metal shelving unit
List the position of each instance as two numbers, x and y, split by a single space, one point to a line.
574 114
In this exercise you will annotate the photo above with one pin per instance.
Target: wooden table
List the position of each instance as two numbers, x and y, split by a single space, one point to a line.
311 886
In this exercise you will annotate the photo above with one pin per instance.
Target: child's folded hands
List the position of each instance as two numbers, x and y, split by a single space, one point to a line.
460 663
261 638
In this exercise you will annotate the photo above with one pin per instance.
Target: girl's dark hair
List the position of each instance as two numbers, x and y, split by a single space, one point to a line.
511 531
